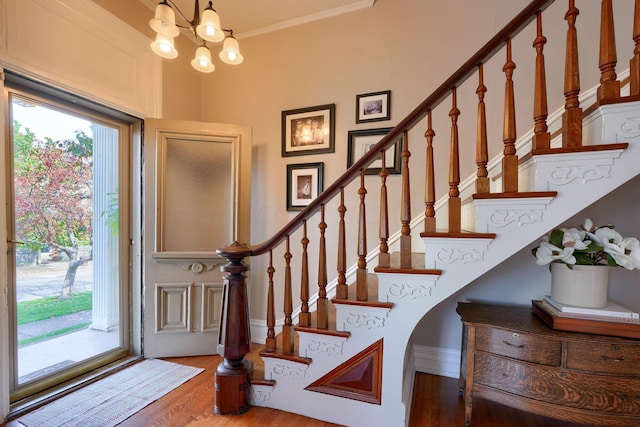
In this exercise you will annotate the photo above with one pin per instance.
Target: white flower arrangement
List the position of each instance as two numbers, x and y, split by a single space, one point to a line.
588 245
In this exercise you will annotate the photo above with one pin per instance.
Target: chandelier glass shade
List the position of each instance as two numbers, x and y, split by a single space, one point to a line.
206 27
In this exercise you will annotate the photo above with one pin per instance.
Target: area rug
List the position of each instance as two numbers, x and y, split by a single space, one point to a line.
113 399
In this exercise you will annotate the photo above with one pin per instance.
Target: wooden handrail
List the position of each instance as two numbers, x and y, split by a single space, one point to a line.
527 15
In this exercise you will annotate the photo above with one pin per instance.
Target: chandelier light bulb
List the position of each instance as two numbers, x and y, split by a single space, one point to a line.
231 51
164 21
202 60
209 28
163 46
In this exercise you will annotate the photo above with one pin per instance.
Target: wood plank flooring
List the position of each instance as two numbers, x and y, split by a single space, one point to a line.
436 402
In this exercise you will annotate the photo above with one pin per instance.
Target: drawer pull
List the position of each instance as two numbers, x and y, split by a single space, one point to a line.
619 359
513 345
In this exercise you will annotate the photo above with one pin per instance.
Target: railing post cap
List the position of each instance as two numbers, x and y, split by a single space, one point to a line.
234 250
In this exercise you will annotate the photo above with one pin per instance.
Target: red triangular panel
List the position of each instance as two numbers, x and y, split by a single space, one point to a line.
359 378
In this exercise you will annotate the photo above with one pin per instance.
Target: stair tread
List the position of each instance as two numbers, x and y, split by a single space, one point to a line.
581 149
377 304
461 235
411 270
328 331
515 195
291 357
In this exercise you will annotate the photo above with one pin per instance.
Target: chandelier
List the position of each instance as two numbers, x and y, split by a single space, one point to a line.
206 27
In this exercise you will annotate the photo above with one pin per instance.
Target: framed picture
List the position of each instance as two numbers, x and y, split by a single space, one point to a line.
373 107
308 130
361 141
304 183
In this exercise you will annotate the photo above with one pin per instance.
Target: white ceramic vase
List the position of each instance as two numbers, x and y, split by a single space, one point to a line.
580 285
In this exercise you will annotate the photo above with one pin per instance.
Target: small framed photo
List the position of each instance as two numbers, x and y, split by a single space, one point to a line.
304 183
373 107
361 141
308 130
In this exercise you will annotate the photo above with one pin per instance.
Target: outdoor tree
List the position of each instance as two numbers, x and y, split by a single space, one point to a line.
53 196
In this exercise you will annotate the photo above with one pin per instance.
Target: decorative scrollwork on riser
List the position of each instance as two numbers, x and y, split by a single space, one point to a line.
288 371
359 320
401 291
452 255
565 175
324 347
258 396
503 218
630 128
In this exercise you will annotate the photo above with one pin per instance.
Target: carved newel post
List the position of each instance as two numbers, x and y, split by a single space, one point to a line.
233 374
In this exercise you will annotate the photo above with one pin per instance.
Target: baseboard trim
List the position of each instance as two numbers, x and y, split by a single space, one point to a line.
430 360
437 361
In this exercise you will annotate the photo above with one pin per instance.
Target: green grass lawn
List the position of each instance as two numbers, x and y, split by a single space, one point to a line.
54 333
45 308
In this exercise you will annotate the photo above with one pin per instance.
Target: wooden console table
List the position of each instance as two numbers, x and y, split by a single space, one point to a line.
510 356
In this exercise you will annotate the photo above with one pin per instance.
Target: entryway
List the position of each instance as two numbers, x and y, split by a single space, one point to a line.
68 237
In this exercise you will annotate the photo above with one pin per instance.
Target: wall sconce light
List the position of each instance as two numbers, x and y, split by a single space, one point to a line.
206 27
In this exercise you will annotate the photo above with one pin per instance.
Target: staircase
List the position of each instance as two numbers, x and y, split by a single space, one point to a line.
349 361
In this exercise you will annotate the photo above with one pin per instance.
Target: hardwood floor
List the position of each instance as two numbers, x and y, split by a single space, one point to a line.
436 403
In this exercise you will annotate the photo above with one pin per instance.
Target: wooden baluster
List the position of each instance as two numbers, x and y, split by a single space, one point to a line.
572 116
287 328
509 159
634 63
304 319
405 214
342 290
454 168
541 135
384 259
430 186
482 151
322 304
609 85
270 343
361 271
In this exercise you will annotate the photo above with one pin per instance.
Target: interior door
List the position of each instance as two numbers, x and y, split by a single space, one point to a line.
196 199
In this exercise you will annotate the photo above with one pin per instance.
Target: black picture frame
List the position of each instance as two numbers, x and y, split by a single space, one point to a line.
373 107
304 184
308 130
361 141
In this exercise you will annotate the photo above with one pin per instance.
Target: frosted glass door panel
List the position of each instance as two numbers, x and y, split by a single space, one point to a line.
198 195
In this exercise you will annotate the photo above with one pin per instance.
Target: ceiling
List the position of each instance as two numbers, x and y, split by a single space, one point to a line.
249 18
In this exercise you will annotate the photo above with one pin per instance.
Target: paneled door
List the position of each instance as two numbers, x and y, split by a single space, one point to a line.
196 199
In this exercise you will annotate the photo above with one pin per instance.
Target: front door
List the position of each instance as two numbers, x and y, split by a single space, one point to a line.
196 198
67 240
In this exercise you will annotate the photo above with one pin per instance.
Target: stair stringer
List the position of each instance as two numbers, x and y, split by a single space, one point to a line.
414 295
289 393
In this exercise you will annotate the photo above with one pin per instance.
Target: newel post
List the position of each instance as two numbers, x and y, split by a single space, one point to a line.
231 381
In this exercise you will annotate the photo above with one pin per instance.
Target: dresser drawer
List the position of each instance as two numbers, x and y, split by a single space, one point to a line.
603 357
519 345
592 392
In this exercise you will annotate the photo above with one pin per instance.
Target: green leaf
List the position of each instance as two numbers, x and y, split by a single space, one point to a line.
556 238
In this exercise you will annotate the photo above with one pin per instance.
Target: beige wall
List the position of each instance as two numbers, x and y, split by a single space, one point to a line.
398 45
181 84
